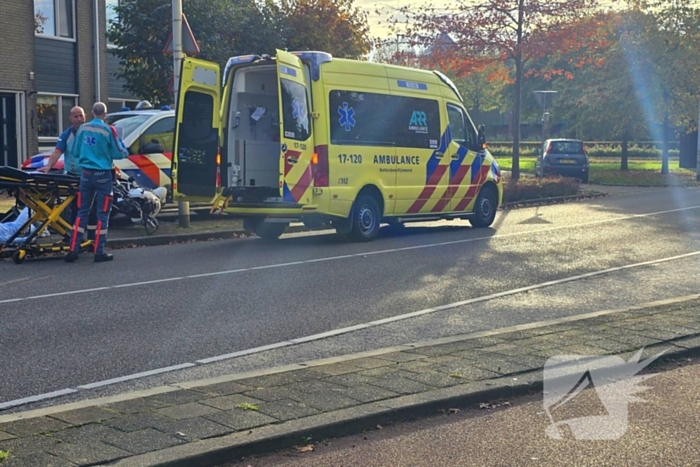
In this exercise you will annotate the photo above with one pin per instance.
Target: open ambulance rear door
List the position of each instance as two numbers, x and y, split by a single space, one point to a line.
197 121
296 138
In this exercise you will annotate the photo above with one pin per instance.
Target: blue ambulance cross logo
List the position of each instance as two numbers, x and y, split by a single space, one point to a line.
298 110
90 140
347 116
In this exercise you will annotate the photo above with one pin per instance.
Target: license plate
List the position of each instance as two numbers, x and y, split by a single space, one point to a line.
567 161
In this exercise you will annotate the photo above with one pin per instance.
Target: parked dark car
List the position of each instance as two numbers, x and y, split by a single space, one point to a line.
565 157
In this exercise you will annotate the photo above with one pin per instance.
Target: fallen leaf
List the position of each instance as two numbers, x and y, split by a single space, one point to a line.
247 406
307 448
379 427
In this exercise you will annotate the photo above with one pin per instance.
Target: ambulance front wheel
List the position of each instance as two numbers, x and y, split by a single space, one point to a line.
485 207
367 218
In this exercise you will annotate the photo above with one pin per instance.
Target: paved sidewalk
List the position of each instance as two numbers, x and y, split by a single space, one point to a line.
213 421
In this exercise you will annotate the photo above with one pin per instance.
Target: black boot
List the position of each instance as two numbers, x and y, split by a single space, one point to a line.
71 256
103 258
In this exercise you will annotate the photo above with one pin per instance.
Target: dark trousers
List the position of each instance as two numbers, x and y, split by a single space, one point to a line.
95 189
92 219
73 213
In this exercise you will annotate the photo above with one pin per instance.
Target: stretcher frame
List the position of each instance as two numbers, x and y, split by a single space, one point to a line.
47 196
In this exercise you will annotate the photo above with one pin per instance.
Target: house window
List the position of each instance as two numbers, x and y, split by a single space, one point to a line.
111 14
52 114
118 105
54 18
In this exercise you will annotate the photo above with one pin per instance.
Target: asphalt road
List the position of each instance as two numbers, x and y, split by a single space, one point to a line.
66 325
662 431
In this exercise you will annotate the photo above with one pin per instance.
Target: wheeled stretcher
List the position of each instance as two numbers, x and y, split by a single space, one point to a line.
47 196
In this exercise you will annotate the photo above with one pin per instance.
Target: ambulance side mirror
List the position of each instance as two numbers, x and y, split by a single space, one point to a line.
154 147
481 137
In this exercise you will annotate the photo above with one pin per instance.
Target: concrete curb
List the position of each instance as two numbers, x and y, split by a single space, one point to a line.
159 240
552 200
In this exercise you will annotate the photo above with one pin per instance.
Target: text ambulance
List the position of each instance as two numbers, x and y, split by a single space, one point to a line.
330 142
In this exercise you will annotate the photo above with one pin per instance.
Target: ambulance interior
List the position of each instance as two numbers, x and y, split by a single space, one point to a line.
254 135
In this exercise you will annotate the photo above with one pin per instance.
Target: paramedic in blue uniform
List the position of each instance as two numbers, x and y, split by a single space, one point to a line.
65 145
71 166
97 146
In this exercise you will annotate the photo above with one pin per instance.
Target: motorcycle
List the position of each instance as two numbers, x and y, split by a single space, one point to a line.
139 205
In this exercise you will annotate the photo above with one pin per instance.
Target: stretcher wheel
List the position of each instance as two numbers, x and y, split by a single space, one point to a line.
19 256
151 225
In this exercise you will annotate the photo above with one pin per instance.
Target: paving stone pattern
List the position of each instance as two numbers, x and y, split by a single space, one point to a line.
103 434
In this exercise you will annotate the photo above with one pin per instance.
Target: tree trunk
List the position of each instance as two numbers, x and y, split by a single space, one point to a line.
516 117
518 95
625 151
664 157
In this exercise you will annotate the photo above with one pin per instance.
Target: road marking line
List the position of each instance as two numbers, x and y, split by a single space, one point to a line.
335 258
40 397
143 374
371 324
329 360
241 353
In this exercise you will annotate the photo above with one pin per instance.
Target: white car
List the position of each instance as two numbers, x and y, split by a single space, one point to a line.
148 134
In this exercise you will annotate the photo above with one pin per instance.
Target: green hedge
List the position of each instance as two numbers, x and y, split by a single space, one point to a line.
594 150
528 188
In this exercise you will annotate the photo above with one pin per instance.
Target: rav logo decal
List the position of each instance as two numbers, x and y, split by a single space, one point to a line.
418 119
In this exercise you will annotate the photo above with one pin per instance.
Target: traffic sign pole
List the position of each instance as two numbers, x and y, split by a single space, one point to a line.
697 160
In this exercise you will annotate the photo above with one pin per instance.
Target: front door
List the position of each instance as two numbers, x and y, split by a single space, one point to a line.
296 138
196 150
467 172
8 130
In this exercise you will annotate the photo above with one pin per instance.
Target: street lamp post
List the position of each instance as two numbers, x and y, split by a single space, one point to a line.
697 160
399 38
183 207
544 98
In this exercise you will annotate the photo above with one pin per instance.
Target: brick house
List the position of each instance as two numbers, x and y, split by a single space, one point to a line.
54 56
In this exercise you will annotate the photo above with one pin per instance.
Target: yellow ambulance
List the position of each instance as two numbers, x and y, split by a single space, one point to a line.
330 142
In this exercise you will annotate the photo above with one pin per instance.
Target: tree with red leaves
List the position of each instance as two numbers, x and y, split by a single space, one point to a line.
516 32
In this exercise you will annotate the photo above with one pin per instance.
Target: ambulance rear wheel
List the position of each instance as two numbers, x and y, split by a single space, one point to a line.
485 207
366 218
269 230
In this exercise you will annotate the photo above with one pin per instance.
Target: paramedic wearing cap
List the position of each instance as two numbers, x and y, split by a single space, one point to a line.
97 146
